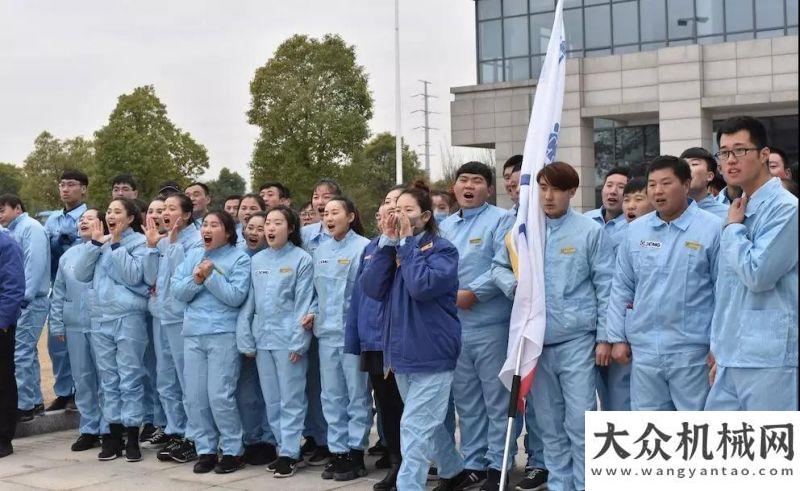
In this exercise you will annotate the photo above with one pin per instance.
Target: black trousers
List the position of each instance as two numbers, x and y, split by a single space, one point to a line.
390 405
8 385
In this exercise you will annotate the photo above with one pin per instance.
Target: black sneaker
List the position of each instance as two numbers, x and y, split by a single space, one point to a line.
444 485
535 480
205 463
377 449
309 446
38 410
160 439
71 404
382 462
321 456
286 467
6 449
111 448
59 404
25 415
148 430
85 442
468 479
228 464
184 452
336 462
492 482
260 454
163 453
352 468
433 473
132 451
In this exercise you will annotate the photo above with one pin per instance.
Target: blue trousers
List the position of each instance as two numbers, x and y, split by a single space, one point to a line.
563 390
346 402
168 384
677 381
26 354
481 399
60 358
211 371
119 347
423 435
86 381
283 384
614 387
753 389
172 333
252 408
153 412
315 425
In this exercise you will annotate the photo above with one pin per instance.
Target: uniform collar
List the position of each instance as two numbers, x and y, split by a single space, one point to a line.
762 194
557 222
471 212
17 221
682 222
288 247
75 212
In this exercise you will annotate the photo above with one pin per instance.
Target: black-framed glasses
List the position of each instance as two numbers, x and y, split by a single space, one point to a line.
736 152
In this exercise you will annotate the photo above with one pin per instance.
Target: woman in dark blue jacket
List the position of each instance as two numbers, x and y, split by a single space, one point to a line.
414 272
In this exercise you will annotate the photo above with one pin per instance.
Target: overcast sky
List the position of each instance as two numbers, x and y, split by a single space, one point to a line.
64 63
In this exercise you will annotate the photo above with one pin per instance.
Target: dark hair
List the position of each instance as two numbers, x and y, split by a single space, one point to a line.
560 175
478 168
517 167
11 200
444 194
305 205
132 209
784 158
350 207
283 191
635 185
790 186
513 161
718 182
196 183
293 220
256 197
620 169
758 134
227 222
422 195
703 154
126 178
101 215
75 175
679 167
183 200
233 196
330 184
141 204
262 214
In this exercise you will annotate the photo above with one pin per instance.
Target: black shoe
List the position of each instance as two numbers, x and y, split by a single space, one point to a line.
205 463
6 449
492 482
112 443
148 430
38 410
132 451
468 479
377 449
71 404
85 442
321 456
59 404
382 462
286 467
309 446
389 482
184 452
444 485
260 454
160 439
535 480
353 467
163 453
433 474
335 463
25 415
228 464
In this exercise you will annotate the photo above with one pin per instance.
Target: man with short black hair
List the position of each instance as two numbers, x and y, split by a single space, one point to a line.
12 294
513 162
231 206
779 163
609 215
201 198
274 193
704 168
124 186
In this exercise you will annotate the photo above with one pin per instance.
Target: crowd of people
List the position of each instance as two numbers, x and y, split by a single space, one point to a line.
254 334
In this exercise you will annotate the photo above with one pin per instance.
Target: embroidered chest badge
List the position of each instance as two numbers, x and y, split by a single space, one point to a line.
695 246
427 246
285 270
568 250
344 262
476 241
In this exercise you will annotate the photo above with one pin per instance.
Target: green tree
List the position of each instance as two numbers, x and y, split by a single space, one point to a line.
43 167
11 178
312 104
371 174
226 184
139 138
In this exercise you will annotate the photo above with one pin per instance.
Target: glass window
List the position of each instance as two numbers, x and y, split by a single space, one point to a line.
769 34
625 31
489 35
598 52
515 35
488 9
769 14
738 15
536 65
572 3
744 36
543 5
677 10
598 26
491 71
515 7
541 26
517 69
792 31
653 46
573 28
681 42
653 20
711 40
714 23
631 48
791 13
594 2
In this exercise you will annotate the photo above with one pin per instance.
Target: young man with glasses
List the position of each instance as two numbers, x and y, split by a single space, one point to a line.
124 186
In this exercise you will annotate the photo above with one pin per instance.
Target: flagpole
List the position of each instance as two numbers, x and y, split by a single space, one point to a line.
512 415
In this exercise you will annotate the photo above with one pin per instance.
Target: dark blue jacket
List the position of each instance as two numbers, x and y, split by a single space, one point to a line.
364 328
422 333
12 281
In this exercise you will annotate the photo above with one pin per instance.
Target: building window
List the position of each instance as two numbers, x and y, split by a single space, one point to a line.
597 26
632 146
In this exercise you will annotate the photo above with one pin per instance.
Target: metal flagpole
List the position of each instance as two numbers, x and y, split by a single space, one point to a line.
512 415
398 138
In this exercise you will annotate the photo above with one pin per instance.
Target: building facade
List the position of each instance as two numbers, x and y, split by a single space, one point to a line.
645 77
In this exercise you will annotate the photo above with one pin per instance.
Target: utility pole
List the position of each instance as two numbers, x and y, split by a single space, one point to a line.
398 142
426 112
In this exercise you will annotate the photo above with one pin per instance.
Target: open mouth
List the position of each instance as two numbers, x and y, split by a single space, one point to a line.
630 216
207 239
252 241
469 195
661 202
331 227
270 237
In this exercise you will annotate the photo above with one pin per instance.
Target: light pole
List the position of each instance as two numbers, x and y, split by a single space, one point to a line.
683 21
398 138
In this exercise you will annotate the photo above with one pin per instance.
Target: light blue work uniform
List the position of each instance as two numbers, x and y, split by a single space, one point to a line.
153 410
32 239
62 231
119 338
211 360
312 235
578 261
159 264
711 205
612 226
281 292
70 316
754 330
481 399
665 275
346 400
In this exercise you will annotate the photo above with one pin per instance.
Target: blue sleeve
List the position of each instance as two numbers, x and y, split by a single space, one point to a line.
602 271
37 258
150 265
12 282
378 275
502 272
303 297
352 342
231 289
484 286
128 264
182 283
621 295
431 275
51 229
245 341
57 303
87 259
754 259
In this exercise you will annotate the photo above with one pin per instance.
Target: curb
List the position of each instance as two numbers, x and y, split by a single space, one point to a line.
50 422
